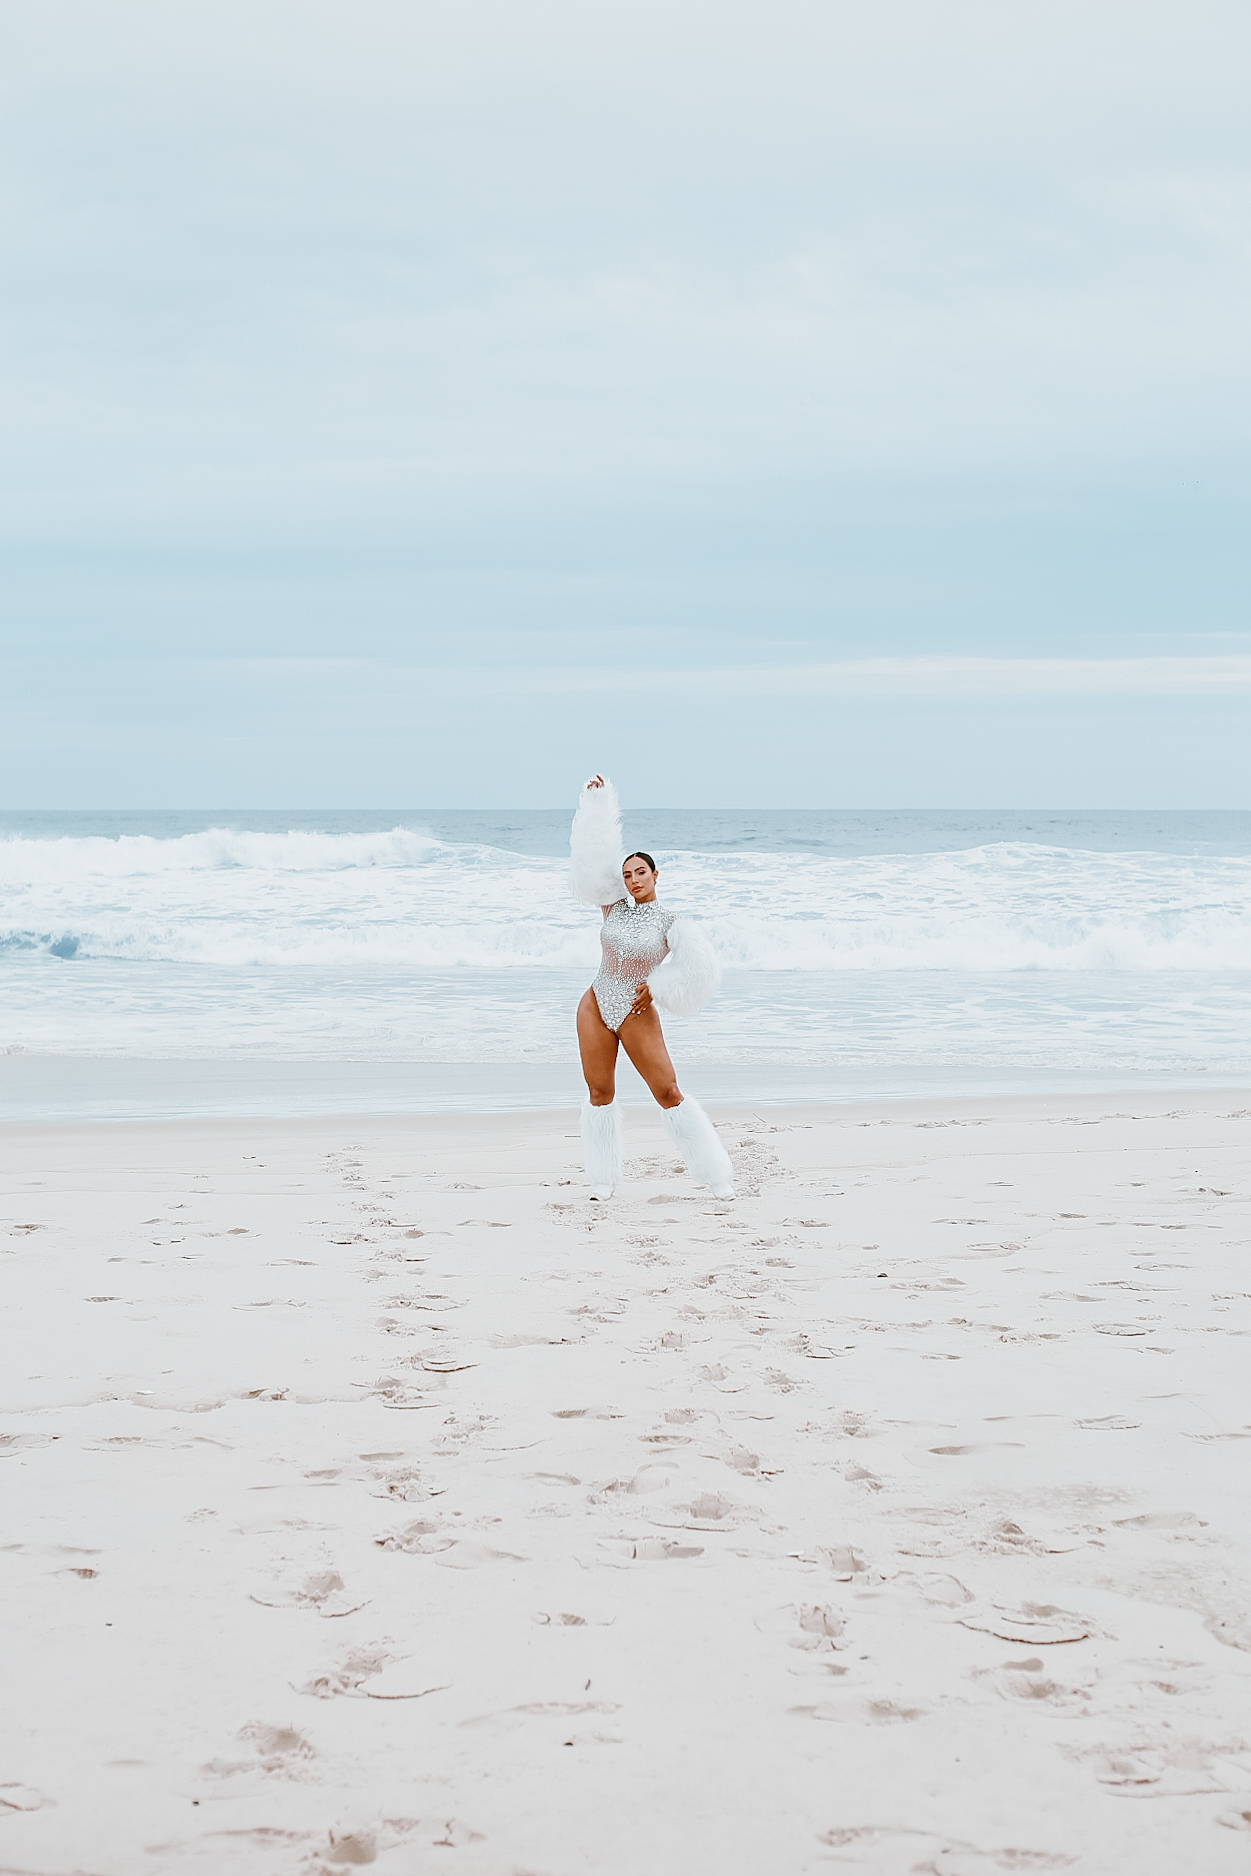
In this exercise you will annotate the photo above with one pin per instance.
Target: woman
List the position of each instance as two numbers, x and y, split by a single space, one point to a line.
652 961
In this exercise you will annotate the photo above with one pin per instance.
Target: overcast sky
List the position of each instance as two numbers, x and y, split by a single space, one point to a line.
770 403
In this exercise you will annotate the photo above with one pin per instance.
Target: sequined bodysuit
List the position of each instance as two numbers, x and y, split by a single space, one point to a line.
635 938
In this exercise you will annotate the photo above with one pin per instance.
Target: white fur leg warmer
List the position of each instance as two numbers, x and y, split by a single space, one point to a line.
696 1140
602 1146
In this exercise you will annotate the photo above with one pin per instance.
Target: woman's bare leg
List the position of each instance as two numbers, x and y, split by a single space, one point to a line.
598 1046
643 1041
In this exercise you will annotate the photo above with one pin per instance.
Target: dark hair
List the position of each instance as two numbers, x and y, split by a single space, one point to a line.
641 856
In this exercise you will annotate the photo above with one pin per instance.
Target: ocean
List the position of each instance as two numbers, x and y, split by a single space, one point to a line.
396 961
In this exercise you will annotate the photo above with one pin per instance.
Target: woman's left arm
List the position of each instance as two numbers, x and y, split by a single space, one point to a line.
684 981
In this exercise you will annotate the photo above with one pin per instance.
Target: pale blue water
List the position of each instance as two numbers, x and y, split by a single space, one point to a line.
321 961
837 833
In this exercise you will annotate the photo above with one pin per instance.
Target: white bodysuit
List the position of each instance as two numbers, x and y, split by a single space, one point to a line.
634 939
641 943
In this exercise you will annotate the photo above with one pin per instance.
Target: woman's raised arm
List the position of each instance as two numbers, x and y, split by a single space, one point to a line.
595 850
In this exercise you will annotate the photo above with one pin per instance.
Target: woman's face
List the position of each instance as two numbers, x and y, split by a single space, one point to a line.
640 881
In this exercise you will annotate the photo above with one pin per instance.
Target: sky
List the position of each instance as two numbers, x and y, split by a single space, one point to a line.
770 404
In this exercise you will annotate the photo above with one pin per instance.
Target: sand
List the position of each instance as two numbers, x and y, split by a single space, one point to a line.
370 1496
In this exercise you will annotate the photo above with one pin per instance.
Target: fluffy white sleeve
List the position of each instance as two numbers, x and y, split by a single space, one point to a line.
595 850
683 982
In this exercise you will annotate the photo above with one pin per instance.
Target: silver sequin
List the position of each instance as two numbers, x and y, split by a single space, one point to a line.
635 938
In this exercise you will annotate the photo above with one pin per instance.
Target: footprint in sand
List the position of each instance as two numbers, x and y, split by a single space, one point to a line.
860 1475
19 1442
649 1550
278 1751
711 1506
843 1560
356 1841
941 1592
323 1591
421 1539
810 1627
1034 1686
980 1446
890 1712
399 1394
359 1845
404 1483
892 1852
590 1618
813 1629
1040 1624
848 1710
820 1630
348 1676
708 1511
653 1477
16 1797
465 1554
454 1835
372 1674
743 1461
1162 1521
1006 1538
1172 1768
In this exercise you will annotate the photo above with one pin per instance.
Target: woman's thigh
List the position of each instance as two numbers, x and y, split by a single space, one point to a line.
598 1047
643 1040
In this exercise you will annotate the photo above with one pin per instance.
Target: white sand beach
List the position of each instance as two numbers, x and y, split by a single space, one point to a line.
372 1497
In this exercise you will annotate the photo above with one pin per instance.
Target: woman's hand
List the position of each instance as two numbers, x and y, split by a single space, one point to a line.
642 1000
596 781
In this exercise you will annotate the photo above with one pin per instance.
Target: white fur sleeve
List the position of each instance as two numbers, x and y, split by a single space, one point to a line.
683 982
595 851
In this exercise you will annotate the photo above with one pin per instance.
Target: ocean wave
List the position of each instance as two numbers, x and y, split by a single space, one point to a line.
402 902
969 947
27 860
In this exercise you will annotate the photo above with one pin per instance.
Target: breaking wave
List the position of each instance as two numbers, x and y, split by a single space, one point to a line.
403 902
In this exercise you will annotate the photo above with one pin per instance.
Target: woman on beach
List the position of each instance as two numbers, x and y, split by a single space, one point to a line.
652 961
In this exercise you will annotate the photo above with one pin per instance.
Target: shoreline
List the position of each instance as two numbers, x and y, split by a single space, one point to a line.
1152 1103
69 1089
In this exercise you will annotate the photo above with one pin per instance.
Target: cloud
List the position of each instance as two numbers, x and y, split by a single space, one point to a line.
272 262
574 345
302 679
996 677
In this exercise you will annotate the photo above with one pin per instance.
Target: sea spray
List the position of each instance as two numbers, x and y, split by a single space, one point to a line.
392 942
402 900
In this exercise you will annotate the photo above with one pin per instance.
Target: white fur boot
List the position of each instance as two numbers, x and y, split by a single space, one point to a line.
602 1145
696 1140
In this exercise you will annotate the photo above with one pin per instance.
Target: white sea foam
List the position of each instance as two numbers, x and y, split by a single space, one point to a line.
404 901
396 944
